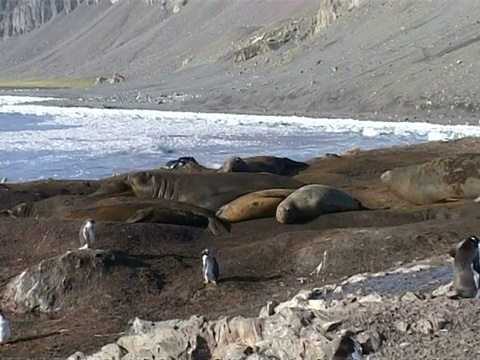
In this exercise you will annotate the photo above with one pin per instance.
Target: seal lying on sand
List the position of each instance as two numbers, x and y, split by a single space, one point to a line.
49 207
446 178
313 200
466 267
269 164
200 187
152 211
256 205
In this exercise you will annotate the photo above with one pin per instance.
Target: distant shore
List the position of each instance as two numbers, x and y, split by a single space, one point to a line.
125 96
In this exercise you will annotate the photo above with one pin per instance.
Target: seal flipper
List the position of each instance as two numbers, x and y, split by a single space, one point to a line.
140 215
449 200
216 225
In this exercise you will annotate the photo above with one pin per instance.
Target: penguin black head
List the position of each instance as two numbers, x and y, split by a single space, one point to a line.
206 252
475 240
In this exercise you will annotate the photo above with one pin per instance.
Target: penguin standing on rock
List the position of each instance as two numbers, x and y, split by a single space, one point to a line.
210 269
87 234
5 328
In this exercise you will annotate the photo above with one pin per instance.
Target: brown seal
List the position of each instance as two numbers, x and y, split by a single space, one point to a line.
446 178
198 188
269 164
313 200
149 210
49 207
465 264
255 205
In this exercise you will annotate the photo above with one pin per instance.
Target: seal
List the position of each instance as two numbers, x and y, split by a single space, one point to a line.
198 188
443 179
465 265
49 207
255 205
115 185
185 164
150 211
269 164
313 200
50 187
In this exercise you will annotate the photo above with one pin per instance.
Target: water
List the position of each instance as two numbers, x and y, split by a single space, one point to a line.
39 142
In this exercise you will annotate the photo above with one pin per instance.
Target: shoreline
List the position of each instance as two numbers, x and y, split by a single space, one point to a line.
107 98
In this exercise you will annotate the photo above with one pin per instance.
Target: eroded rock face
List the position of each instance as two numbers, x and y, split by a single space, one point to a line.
53 284
19 17
22 16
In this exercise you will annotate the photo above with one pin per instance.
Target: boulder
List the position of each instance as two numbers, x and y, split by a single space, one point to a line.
54 283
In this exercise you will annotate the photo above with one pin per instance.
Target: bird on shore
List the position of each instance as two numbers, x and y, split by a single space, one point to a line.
87 234
210 267
5 328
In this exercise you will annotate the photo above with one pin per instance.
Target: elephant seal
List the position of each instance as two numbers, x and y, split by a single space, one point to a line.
198 188
466 267
446 178
313 200
269 164
151 211
48 207
255 205
186 164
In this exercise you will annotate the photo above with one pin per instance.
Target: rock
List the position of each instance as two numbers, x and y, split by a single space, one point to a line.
423 326
331 325
112 352
77 356
370 298
268 309
53 283
345 347
140 355
370 341
19 17
409 296
237 352
443 290
401 326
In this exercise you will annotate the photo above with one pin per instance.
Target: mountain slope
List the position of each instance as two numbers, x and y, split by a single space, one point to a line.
395 59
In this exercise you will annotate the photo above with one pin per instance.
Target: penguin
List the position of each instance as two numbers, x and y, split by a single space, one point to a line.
466 267
5 328
86 234
210 267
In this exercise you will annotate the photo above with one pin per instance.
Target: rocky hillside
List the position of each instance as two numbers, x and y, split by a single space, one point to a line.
398 59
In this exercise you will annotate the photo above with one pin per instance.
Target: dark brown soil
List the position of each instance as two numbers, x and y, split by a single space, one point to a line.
259 259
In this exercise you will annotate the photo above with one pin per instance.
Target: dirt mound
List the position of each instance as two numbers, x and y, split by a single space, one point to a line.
58 285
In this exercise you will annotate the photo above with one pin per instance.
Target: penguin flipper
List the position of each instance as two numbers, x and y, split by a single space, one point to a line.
140 215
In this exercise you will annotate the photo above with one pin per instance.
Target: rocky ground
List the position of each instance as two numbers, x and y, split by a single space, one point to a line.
400 60
152 271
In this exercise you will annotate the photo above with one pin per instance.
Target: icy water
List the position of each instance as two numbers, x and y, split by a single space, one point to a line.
39 142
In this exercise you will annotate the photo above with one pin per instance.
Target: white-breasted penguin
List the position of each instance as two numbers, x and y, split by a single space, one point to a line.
210 269
86 234
5 328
